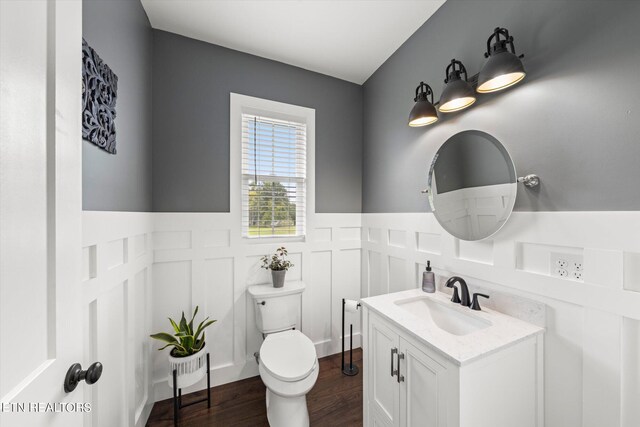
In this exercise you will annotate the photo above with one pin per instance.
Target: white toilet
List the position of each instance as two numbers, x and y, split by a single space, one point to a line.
288 363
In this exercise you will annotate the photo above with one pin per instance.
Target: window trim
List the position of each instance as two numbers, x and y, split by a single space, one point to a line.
243 104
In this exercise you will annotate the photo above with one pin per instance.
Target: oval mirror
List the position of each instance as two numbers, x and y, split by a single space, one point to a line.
472 185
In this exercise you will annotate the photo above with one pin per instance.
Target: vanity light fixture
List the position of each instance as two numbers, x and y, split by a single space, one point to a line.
503 68
457 93
423 113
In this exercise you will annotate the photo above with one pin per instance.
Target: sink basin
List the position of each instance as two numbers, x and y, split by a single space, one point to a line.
445 318
458 333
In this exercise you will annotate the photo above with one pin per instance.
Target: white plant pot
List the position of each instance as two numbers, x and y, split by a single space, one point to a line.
190 369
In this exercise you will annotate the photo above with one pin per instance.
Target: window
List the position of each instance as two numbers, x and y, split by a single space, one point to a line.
274 176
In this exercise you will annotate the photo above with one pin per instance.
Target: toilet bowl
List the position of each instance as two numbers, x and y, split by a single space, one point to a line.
288 363
289 369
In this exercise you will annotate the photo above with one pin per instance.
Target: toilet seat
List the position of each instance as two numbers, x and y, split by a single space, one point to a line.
288 356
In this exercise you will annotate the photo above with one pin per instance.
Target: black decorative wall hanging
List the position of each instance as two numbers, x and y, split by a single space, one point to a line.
99 90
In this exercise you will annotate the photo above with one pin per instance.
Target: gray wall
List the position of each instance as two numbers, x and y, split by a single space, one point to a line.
574 120
120 33
191 85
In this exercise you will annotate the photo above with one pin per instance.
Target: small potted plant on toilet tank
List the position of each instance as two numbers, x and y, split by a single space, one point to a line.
278 264
188 349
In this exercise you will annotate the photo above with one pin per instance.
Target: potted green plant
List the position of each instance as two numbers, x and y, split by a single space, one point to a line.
188 349
278 264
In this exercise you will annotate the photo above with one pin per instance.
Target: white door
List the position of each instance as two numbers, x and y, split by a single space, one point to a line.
422 392
383 385
40 211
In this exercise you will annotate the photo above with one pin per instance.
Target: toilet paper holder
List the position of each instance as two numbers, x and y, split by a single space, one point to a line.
352 306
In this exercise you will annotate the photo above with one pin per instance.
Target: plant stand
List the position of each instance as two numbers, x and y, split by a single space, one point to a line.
177 394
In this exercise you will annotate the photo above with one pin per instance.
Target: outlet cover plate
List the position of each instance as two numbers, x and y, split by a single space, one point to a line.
566 266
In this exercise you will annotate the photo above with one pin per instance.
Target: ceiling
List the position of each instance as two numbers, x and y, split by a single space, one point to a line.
348 39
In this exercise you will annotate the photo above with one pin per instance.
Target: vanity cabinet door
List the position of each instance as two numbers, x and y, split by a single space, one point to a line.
383 387
422 391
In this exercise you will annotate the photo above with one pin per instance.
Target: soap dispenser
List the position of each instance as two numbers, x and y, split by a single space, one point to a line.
428 280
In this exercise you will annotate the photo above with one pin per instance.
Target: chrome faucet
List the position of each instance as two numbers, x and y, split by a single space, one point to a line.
464 289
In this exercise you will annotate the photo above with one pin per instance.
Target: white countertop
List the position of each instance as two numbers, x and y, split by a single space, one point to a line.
460 349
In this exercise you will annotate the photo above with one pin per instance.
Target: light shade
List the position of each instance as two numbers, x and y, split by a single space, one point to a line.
457 93
423 112
503 68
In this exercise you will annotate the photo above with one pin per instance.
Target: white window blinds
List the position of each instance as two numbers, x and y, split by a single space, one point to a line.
274 169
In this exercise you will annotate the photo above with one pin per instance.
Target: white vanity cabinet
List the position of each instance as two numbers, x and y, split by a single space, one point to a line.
406 387
409 383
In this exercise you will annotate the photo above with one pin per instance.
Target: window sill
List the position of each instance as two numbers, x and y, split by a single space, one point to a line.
270 240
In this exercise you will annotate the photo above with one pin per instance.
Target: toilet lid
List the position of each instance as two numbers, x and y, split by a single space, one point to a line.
288 355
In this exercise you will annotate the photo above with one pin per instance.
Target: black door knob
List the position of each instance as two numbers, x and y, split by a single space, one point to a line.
75 374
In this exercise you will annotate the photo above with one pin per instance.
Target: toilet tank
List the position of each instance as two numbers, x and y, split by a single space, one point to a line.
277 309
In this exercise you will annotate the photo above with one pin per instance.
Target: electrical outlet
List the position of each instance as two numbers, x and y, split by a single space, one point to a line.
566 266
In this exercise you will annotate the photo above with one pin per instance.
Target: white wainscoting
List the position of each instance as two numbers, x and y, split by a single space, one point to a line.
200 259
592 343
140 268
116 270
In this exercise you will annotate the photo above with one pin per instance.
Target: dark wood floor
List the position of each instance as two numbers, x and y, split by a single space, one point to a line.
336 400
